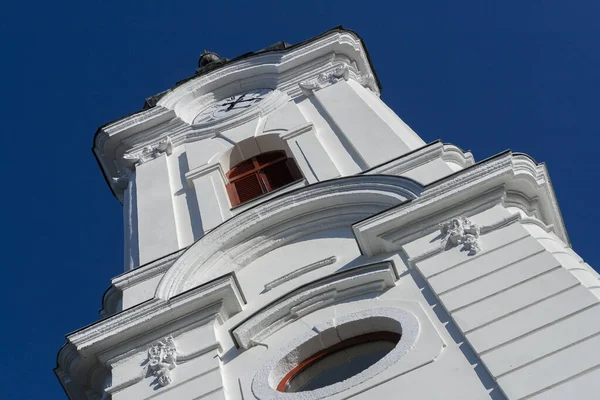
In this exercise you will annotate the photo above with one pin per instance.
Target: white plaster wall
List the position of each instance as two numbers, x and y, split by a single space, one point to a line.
403 131
511 321
184 199
438 349
523 312
202 151
130 226
338 243
156 222
373 140
197 374
567 257
518 320
140 292
334 142
287 117
429 172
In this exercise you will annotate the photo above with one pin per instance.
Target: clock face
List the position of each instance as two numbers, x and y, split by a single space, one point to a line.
231 106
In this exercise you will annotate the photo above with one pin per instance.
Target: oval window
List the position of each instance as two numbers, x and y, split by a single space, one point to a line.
339 362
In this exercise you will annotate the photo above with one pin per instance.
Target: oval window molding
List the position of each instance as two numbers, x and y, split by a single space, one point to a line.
280 376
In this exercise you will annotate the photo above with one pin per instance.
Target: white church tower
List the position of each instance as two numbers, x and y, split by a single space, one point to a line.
288 237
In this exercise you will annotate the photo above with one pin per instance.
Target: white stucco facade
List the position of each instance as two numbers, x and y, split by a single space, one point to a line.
469 262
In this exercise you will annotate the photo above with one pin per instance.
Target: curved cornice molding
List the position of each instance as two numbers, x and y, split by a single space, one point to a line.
282 70
431 151
508 179
287 72
97 345
373 278
256 231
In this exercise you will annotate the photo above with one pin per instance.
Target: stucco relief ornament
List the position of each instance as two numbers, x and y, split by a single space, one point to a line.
461 231
366 80
325 79
149 152
162 358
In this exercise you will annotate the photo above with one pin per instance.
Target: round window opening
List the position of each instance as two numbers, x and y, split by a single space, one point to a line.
339 362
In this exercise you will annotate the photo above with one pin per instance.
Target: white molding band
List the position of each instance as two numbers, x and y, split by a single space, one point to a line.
277 222
299 272
355 282
318 338
465 193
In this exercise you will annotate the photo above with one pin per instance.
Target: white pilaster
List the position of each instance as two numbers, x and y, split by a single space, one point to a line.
310 155
157 232
209 183
370 136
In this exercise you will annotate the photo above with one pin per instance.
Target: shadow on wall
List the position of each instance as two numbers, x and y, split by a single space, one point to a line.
191 199
458 337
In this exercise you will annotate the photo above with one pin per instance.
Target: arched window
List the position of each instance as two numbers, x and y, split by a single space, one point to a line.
259 175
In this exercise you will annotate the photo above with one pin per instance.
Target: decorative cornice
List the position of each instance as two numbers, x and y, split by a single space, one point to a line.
441 246
416 158
526 167
154 116
335 288
338 54
157 312
218 299
284 218
145 272
339 72
283 66
455 155
110 301
129 125
325 79
148 153
464 193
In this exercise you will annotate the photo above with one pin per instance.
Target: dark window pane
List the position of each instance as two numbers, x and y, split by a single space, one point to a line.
293 167
271 156
248 187
278 175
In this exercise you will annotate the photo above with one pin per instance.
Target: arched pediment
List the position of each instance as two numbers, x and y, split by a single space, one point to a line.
245 237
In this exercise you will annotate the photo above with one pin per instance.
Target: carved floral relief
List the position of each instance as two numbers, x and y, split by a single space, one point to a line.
162 358
461 231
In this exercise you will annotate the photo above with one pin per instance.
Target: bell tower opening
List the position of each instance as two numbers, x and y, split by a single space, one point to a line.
259 175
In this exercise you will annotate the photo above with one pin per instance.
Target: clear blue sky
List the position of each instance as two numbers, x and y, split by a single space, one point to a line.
484 75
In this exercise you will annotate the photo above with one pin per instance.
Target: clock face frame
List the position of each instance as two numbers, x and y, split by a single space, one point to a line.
230 106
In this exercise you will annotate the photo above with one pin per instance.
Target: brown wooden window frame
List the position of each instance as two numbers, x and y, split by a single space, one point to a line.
254 167
344 344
